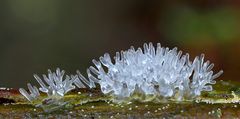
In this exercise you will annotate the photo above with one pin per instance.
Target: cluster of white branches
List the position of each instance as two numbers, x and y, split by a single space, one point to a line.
56 84
154 71
149 71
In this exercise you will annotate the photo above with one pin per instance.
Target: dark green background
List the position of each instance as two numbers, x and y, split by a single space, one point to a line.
37 35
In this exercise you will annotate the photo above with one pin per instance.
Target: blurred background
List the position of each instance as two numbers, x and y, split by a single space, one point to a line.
45 34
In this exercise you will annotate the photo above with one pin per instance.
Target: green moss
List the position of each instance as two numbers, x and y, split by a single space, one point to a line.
94 104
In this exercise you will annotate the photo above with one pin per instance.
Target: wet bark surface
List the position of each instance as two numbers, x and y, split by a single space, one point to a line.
223 102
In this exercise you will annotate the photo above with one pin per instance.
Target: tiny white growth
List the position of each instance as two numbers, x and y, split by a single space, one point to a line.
153 71
81 82
55 84
34 93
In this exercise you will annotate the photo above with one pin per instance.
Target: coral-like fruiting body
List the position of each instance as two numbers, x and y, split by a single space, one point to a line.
156 71
56 85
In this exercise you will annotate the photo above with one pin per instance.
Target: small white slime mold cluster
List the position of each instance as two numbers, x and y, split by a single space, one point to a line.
56 84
